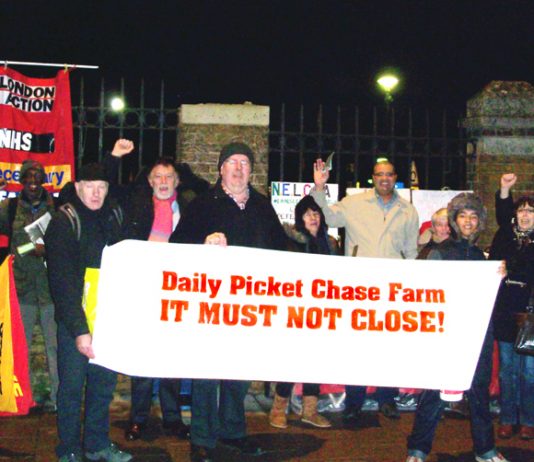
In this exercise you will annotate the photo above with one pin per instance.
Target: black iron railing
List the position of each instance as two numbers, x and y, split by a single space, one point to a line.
358 139
433 140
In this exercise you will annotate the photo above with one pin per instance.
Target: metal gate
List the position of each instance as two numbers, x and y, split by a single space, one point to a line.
359 137
433 140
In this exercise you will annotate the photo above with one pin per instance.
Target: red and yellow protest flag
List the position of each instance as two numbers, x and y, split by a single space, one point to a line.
15 389
36 123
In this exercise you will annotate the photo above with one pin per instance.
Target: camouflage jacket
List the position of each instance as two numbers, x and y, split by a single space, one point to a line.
31 279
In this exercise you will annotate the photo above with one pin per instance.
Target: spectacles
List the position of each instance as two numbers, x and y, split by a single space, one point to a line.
386 174
242 162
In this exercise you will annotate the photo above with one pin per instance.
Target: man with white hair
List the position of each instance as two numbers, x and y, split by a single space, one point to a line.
75 240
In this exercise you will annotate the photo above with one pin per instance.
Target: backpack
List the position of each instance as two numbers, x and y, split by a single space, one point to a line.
70 212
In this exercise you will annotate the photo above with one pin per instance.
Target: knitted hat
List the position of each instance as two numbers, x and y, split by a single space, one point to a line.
92 172
29 164
235 148
467 201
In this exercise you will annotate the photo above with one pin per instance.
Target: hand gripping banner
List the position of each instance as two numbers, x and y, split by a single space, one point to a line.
199 311
36 123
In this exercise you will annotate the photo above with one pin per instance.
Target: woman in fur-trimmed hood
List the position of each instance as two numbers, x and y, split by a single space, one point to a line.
467 218
466 201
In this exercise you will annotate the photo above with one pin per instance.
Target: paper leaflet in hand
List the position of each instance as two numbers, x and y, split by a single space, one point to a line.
328 162
35 231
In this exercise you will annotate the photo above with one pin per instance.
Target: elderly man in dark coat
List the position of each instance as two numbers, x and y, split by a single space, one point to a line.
231 213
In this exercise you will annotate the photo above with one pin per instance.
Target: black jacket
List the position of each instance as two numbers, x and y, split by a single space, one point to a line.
519 255
68 258
139 211
304 242
452 249
255 226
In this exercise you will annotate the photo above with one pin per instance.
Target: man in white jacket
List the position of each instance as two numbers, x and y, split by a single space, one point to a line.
380 224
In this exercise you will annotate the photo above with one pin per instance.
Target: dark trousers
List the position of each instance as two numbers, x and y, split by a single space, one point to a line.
169 394
355 396
283 389
430 408
75 372
217 411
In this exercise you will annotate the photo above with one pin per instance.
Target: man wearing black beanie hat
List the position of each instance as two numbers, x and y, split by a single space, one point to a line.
236 148
75 240
231 213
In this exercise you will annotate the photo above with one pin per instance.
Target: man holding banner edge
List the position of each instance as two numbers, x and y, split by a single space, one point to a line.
231 213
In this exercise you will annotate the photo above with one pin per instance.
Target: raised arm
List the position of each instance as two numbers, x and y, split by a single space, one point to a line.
504 206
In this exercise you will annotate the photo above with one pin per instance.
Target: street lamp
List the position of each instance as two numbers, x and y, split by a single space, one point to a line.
117 104
387 83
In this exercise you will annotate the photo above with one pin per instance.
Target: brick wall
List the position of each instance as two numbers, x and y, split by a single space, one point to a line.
206 128
500 127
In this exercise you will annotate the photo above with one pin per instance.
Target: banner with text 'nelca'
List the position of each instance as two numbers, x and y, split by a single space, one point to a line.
36 123
199 311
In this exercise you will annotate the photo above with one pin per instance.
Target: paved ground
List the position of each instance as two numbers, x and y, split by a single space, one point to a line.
33 438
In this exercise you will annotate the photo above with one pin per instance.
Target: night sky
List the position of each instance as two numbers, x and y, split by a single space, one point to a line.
269 52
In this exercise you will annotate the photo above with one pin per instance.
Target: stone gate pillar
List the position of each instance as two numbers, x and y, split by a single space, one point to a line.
205 128
500 130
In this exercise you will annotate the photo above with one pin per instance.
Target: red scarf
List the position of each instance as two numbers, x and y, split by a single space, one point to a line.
162 224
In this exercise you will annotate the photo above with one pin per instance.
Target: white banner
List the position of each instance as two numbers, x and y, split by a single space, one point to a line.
198 311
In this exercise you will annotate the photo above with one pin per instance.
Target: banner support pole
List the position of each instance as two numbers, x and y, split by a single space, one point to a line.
28 63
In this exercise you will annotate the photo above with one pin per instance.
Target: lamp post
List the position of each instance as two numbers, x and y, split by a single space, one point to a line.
387 83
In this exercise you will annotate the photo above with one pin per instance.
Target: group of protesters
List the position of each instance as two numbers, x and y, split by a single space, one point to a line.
157 207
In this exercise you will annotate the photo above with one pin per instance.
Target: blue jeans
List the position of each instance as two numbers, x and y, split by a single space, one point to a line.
75 372
430 408
516 378
217 411
169 392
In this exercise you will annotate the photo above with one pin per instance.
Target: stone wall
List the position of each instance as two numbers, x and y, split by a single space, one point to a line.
500 127
205 128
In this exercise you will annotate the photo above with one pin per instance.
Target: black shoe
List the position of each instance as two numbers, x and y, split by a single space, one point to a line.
351 416
133 432
244 446
201 454
178 429
390 411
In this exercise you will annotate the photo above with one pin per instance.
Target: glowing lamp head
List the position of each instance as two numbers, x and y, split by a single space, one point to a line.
117 104
388 82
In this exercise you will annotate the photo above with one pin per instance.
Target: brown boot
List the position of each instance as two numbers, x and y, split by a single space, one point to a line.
277 416
310 414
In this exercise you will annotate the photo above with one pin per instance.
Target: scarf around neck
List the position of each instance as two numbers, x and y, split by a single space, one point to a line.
162 224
